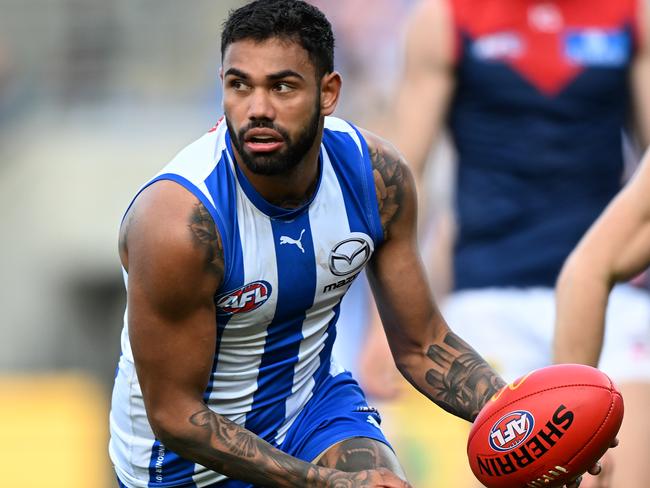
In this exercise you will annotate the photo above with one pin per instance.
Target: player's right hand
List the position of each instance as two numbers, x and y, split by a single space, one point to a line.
599 475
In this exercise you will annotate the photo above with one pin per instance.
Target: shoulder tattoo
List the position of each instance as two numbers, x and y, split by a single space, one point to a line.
206 237
389 184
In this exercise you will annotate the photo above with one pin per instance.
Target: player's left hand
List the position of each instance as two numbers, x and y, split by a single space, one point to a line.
599 475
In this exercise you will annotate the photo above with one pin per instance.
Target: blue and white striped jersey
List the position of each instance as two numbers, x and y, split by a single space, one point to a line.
286 272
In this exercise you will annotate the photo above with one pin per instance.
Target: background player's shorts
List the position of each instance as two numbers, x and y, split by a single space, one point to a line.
512 328
337 411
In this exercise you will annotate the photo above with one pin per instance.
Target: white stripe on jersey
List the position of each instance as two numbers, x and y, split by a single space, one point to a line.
243 340
340 125
130 449
210 143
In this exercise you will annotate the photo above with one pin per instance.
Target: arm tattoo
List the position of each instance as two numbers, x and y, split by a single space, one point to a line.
235 451
389 184
241 443
461 381
238 453
206 237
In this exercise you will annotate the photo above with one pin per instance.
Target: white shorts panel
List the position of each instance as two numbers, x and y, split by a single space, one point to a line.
513 329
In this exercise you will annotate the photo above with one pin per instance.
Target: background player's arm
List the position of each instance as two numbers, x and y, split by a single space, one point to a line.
429 355
174 257
640 76
426 83
615 249
423 92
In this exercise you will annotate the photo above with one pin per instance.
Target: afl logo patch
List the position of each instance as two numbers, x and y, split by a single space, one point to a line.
244 299
350 255
511 430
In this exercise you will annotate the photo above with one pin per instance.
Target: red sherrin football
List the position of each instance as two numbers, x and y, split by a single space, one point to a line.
545 428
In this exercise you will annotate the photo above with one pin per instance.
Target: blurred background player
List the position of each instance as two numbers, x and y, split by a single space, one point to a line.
536 96
616 248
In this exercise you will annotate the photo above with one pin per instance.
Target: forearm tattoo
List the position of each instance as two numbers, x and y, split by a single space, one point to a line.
461 381
238 453
207 238
389 184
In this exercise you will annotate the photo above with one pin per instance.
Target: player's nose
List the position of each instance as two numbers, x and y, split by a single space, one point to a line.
260 105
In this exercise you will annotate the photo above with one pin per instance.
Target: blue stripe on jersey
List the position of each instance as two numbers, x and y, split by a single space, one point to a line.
368 184
295 295
354 173
222 187
166 468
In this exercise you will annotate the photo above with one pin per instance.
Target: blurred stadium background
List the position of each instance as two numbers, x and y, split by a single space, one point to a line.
95 96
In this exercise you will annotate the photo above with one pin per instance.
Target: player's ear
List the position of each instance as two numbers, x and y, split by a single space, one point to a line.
330 89
221 74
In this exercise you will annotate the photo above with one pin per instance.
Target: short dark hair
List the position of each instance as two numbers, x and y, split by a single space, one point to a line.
294 20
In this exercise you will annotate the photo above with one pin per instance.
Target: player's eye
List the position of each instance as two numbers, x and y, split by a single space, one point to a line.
283 87
238 85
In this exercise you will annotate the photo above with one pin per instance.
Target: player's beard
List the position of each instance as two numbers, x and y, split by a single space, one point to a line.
281 161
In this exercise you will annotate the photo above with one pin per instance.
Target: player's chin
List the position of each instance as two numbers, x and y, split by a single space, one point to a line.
265 164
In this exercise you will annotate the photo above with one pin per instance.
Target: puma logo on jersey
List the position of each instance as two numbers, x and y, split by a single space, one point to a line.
371 420
291 240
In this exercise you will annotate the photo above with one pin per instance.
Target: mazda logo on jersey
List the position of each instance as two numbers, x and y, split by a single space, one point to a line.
350 255
244 299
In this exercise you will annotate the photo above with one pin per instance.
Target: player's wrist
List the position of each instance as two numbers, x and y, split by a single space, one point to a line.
320 477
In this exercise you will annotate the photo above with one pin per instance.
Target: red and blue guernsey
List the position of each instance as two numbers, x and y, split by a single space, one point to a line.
537 119
286 272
